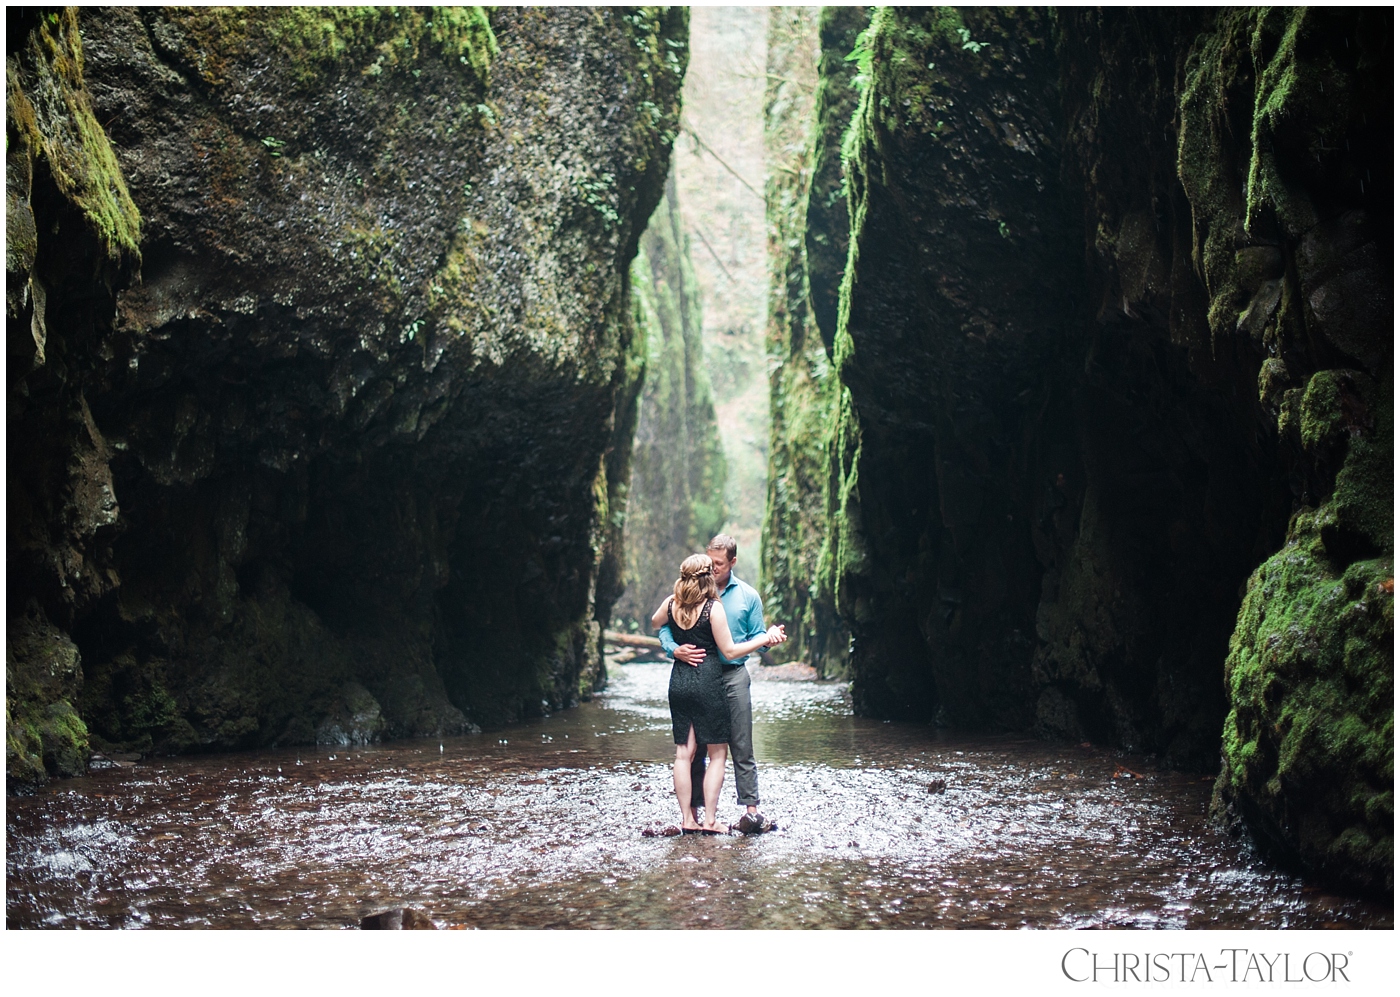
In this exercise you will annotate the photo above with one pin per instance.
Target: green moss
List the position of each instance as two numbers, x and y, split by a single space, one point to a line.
1363 499
1264 72
804 391
1203 154
1320 414
1286 94
64 738
368 250
128 704
44 734
827 224
1308 743
314 39
844 555
453 298
24 754
50 111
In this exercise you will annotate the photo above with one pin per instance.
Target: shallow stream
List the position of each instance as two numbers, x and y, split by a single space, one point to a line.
540 826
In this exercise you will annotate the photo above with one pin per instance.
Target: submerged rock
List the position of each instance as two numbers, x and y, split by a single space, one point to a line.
398 919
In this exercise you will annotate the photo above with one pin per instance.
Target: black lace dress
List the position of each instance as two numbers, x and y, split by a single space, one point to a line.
697 692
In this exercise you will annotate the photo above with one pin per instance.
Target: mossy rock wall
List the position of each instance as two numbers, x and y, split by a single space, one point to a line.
1234 231
804 390
956 304
827 228
675 500
1171 494
1293 239
1110 457
362 427
44 735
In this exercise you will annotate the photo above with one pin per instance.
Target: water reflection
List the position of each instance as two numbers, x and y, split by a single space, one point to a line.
540 825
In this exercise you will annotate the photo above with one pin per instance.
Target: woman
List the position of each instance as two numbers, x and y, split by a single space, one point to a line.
699 711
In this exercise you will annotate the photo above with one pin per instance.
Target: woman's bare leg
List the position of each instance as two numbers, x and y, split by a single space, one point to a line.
714 779
680 776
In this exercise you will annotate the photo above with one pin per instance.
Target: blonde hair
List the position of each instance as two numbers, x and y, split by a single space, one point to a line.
695 585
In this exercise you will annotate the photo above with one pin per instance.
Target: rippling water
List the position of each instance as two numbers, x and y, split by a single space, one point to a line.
540 825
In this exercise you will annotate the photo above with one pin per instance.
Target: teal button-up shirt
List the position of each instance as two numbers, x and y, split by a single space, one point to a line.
742 607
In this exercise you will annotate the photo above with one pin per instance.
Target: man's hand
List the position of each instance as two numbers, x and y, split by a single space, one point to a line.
690 654
777 634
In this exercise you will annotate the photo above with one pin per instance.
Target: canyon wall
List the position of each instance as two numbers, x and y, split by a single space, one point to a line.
809 101
675 500
323 372
800 387
1110 458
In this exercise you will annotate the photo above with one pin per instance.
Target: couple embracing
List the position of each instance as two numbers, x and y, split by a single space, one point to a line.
709 626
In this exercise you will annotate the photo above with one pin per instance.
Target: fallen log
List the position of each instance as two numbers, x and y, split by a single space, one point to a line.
630 640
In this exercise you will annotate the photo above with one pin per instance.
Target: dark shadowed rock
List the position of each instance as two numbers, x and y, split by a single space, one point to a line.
957 316
1115 347
348 459
398 919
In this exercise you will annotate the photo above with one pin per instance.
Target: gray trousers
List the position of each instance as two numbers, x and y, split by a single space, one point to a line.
736 691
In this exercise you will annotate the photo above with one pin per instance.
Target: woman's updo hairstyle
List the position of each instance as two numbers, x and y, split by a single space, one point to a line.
693 587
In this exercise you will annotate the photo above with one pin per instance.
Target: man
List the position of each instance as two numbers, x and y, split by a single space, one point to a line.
745 611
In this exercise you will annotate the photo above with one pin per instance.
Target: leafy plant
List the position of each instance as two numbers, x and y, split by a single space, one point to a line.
862 56
968 44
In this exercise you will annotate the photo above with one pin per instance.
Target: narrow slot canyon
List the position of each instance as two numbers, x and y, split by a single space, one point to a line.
371 371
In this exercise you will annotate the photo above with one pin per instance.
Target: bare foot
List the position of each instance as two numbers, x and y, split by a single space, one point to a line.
714 827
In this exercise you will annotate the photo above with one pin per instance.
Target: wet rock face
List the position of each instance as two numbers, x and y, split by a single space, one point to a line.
44 736
1171 495
804 393
362 423
1308 746
1282 227
826 236
1056 480
957 305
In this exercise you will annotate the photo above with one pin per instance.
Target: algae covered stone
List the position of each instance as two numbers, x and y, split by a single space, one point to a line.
44 735
1308 747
